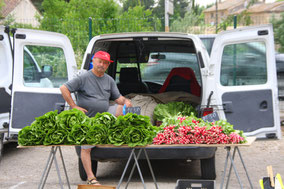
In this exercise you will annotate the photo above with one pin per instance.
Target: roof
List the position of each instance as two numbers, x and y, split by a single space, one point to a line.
266 7
9 6
228 4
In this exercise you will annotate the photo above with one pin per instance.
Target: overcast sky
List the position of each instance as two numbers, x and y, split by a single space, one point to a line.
206 2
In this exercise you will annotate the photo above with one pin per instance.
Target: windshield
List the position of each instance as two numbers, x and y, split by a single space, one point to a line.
161 63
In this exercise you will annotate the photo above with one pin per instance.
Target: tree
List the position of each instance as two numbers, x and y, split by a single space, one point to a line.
137 19
192 22
147 4
278 27
37 4
1 5
71 18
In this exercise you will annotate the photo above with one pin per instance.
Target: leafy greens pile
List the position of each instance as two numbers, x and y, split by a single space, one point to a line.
172 109
73 127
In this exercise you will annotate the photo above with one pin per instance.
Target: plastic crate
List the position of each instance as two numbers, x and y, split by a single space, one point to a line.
195 184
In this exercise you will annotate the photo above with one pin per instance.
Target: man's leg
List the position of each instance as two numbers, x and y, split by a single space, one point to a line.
87 163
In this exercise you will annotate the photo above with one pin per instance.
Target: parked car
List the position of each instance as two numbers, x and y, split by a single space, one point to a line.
239 97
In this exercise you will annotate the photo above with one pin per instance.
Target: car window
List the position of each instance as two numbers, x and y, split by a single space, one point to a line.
44 67
123 65
208 43
157 70
244 64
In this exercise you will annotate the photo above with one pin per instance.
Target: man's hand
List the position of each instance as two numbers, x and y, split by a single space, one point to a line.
80 108
122 100
128 103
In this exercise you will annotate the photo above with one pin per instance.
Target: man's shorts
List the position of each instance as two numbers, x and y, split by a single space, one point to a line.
112 110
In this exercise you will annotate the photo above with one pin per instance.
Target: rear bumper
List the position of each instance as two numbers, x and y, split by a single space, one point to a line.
105 154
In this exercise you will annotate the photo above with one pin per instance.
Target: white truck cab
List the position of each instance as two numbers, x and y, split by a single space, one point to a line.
237 81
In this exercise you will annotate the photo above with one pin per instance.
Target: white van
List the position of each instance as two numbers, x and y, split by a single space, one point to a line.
239 86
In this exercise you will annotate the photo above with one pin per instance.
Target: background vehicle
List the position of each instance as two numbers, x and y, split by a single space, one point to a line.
236 97
29 85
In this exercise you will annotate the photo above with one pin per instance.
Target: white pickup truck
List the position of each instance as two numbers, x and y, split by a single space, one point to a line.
233 82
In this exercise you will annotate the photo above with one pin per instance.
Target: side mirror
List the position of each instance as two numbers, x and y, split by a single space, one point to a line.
46 71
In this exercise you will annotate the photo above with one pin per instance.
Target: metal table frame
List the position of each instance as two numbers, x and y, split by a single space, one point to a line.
232 164
50 160
138 151
136 158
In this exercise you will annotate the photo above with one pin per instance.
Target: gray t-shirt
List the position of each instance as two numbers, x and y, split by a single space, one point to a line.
93 92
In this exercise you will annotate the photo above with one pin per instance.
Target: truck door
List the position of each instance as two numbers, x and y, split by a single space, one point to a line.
244 71
43 61
6 76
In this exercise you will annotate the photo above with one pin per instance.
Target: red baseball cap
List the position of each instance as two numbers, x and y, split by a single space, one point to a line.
103 55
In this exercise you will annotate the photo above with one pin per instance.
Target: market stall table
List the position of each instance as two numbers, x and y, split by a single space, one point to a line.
136 153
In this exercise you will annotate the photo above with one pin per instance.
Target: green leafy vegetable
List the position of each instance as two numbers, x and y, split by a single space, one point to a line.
78 134
55 137
74 127
29 136
97 134
172 109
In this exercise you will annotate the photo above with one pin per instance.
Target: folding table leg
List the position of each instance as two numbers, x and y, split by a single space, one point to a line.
230 170
125 169
150 167
139 170
133 168
58 172
225 167
235 170
68 183
47 168
244 167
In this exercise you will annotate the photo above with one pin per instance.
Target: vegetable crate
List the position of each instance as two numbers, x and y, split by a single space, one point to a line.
195 184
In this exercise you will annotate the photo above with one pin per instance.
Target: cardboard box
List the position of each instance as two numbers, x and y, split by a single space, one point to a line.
84 186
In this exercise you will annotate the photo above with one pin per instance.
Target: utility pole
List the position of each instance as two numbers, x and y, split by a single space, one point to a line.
169 9
216 24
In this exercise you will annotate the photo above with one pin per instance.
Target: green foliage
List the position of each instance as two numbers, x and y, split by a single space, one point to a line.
75 128
1 5
71 18
278 27
191 23
10 20
242 19
136 19
147 4
173 109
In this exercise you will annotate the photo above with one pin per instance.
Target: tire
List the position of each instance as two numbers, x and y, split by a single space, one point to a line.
208 170
1 145
82 172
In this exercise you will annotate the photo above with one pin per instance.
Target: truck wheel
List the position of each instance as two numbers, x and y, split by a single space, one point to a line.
208 170
82 172
1 144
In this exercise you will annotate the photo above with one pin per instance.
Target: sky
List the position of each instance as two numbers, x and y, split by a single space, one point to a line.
206 2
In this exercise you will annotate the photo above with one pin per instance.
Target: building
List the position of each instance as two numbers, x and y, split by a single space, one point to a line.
225 8
263 13
21 11
260 13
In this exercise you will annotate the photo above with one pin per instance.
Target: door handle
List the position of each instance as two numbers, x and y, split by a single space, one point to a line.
228 107
263 105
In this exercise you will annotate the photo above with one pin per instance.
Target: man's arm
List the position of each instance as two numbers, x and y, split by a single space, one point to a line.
67 97
122 100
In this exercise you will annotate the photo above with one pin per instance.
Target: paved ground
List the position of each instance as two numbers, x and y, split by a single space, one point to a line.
22 168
